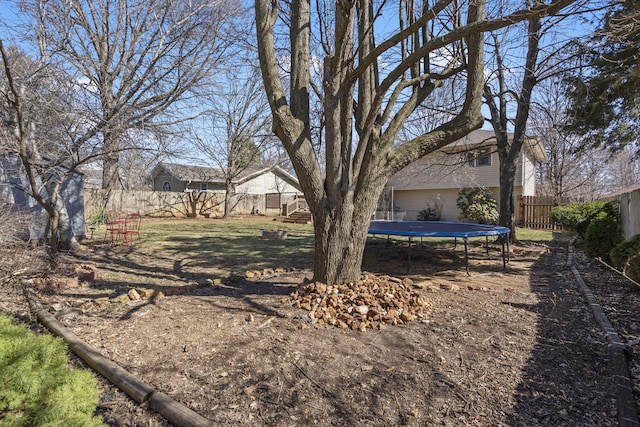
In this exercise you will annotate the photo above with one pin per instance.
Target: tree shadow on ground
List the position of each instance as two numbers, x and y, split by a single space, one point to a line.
566 378
428 260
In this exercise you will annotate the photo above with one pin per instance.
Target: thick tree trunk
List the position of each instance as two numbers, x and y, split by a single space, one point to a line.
510 151
507 205
343 193
228 191
110 163
341 235
66 239
192 204
54 221
339 250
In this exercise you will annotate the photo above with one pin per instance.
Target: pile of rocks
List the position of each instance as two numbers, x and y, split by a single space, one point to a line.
370 303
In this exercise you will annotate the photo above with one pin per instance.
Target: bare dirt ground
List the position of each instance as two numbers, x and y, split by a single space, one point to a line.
519 347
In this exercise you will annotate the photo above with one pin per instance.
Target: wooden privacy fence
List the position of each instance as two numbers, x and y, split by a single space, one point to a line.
175 204
629 202
535 211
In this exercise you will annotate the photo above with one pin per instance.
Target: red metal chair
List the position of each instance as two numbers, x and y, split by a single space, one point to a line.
115 229
132 227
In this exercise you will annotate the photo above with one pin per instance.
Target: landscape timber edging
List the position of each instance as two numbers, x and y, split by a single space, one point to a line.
175 412
626 403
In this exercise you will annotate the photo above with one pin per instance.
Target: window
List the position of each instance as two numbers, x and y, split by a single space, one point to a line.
166 186
203 186
484 157
470 158
479 157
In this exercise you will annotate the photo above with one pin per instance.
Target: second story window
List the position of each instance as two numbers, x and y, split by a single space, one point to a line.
470 158
483 157
479 157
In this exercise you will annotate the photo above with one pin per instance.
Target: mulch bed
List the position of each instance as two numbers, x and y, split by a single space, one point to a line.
519 347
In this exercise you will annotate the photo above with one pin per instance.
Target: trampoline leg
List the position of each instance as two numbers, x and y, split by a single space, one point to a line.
409 256
508 251
486 244
466 257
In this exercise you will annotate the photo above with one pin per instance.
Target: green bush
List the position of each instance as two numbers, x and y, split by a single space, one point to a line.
625 250
577 216
632 268
428 214
603 234
626 257
99 217
38 387
476 205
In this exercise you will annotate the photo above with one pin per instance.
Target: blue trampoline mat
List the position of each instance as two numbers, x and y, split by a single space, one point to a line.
435 229
463 230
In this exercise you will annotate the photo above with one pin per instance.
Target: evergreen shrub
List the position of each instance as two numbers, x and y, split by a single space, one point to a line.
38 387
99 217
428 214
577 216
626 257
603 234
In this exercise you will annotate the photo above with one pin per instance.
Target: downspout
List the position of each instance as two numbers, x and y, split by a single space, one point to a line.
392 205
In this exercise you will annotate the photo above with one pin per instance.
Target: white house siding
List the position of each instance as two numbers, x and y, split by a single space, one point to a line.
408 203
414 201
421 181
528 176
422 175
266 183
447 174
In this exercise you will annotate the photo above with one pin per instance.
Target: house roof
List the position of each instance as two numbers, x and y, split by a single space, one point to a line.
191 173
482 138
92 176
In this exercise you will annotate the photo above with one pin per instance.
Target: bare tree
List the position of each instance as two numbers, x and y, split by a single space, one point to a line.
624 169
137 63
36 124
509 89
564 173
235 131
497 98
369 90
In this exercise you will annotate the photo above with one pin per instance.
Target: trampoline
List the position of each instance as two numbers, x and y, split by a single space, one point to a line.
463 230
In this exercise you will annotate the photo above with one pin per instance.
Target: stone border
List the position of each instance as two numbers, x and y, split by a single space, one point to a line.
71 308
627 410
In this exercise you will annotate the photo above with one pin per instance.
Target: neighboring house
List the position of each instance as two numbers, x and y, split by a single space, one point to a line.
132 177
92 176
436 179
274 183
13 193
